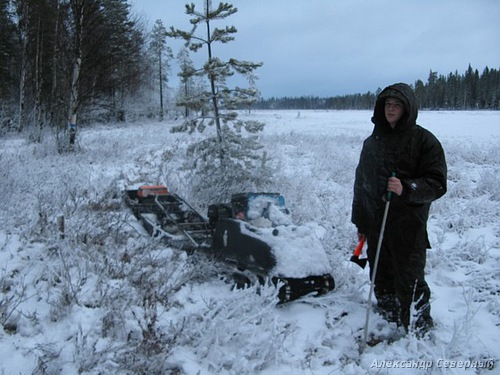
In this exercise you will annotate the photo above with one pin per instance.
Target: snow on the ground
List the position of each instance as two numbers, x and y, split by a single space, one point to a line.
108 299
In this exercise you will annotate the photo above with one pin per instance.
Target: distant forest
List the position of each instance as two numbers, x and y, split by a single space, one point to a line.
74 62
467 91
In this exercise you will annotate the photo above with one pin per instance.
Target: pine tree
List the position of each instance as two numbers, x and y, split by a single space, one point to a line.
7 48
114 51
230 160
9 63
187 86
161 55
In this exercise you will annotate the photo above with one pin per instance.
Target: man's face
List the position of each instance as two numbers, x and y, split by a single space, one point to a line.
394 110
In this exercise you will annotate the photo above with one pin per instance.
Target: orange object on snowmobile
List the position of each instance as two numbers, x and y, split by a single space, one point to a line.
148 190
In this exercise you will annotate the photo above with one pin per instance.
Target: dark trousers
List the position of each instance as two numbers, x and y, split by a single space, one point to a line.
400 278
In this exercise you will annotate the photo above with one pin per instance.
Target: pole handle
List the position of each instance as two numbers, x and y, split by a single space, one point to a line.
389 193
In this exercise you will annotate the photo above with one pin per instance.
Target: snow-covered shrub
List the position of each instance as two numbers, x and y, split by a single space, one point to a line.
47 358
325 167
472 250
463 329
489 183
461 188
463 215
473 153
12 296
238 333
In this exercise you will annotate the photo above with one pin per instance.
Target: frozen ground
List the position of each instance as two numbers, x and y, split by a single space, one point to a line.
108 299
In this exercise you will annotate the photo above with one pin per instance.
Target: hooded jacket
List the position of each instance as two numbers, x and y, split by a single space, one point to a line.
410 151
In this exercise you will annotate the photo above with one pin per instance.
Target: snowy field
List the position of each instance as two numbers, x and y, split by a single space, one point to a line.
107 299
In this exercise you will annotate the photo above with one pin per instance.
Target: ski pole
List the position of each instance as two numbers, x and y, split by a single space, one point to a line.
377 256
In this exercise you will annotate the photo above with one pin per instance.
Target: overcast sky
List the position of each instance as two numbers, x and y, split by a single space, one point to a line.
337 47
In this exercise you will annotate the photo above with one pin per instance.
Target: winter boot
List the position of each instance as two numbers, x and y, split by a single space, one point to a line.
388 307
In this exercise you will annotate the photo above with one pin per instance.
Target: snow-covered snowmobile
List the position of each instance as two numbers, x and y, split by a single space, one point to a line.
252 234
255 233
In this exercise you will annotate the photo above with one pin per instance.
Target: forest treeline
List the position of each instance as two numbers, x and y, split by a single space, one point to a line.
468 91
64 62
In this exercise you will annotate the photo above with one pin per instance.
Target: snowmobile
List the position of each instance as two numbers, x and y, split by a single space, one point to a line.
253 234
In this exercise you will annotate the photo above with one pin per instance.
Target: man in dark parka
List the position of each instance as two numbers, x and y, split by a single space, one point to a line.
398 145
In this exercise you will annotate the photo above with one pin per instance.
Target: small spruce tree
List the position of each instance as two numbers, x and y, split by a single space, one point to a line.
231 159
159 50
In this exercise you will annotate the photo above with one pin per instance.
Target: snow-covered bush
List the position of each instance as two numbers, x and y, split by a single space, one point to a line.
489 183
238 333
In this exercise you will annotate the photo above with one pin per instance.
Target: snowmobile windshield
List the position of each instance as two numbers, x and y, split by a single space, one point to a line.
270 208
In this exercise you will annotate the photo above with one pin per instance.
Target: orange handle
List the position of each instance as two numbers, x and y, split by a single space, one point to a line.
359 248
